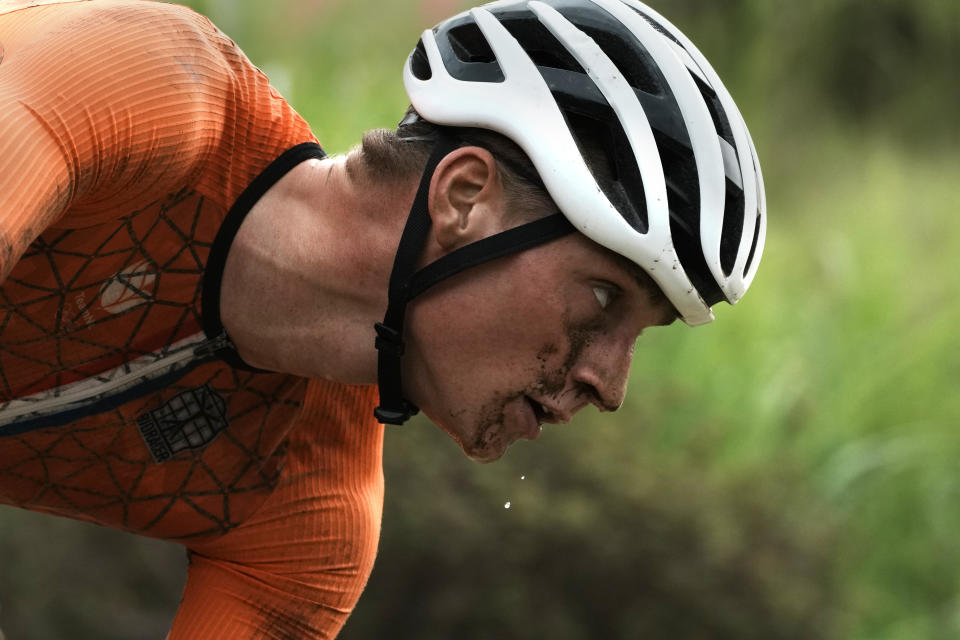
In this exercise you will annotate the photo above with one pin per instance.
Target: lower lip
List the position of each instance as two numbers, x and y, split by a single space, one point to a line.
532 427
520 422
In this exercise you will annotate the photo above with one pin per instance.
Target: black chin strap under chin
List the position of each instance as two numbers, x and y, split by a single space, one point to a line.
406 283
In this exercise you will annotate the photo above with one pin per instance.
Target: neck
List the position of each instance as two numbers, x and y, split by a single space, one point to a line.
306 277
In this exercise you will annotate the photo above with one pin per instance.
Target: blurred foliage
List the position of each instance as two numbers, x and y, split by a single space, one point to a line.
64 579
786 472
873 64
566 539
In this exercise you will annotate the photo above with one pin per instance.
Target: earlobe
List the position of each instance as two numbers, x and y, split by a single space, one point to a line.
465 198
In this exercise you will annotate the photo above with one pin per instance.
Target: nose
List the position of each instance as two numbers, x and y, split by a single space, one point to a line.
602 371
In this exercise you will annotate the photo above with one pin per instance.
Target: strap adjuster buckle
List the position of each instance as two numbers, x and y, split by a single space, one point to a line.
392 416
389 340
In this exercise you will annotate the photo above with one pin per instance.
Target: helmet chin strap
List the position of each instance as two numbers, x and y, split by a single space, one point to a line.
406 282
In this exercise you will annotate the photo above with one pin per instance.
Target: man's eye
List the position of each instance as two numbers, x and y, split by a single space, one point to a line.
604 296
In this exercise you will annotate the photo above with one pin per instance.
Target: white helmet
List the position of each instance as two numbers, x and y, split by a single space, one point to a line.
671 179
685 201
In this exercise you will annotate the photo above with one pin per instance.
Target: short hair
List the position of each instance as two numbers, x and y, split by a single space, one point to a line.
401 154
386 155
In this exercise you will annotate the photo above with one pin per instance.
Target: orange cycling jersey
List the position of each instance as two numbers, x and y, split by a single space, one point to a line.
134 140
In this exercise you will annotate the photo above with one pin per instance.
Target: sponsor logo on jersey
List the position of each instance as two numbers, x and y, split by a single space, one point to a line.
188 421
130 288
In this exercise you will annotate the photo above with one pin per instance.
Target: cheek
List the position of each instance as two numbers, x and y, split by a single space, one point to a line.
582 335
555 359
476 349
551 374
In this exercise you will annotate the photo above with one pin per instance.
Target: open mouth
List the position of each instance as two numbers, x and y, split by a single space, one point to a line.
541 413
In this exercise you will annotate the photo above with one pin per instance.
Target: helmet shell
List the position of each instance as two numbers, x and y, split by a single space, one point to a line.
630 129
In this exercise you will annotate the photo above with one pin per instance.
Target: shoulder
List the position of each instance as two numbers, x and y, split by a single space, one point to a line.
148 12
136 57
151 18
90 30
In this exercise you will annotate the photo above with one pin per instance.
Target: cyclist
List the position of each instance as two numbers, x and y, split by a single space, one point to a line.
194 296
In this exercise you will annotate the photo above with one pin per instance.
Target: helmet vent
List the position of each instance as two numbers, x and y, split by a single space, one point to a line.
683 193
753 247
627 59
542 47
620 45
695 265
469 45
733 215
683 183
419 64
657 26
717 113
605 147
691 257
467 55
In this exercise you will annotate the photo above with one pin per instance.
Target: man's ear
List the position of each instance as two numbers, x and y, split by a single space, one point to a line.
466 198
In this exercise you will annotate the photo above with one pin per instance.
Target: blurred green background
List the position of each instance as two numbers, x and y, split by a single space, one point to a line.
789 471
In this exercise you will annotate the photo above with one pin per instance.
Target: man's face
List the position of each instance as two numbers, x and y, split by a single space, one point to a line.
502 348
